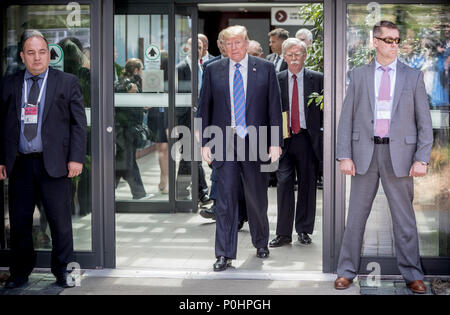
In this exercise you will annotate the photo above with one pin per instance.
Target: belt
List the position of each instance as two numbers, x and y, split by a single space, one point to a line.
378 140
30 155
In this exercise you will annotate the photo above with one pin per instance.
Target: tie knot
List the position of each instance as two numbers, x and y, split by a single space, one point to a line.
294 77
35 78
238 65
385 68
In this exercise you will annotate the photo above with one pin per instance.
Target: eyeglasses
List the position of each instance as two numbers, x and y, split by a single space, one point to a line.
389 40
298 55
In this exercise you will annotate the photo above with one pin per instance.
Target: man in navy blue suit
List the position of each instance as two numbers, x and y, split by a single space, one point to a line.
240 94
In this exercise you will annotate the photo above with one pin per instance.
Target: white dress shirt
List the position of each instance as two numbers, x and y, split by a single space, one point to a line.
301 99
243 69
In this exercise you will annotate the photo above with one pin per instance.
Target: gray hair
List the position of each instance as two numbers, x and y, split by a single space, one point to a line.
306 32
256 44
292 41
27 34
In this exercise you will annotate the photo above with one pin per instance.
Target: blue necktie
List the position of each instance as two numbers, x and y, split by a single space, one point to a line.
199 78
239 103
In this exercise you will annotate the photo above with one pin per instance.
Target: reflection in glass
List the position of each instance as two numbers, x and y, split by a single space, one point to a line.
74 40
425 34
141 107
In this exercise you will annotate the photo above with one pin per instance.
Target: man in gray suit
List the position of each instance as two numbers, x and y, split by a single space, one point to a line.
384 132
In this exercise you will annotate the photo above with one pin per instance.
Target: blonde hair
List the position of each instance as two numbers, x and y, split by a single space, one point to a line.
235 30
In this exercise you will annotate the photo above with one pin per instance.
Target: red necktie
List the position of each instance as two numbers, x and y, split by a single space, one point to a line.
295 115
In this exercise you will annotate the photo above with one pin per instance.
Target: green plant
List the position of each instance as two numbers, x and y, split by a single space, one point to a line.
314 13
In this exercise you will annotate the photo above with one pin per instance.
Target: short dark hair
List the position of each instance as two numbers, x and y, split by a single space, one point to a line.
387 24
281 33
27 34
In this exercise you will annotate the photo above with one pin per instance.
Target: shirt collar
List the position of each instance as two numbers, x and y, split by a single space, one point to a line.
299 75
392 66
28 75
243 62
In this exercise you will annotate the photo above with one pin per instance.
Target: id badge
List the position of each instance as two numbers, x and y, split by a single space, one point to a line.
383 109
30 114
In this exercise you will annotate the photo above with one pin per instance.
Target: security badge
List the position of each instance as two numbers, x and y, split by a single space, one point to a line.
30 111
384 109
30 114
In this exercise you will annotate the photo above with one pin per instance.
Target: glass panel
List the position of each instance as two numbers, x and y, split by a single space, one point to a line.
183 104
425 33
67 29
141 107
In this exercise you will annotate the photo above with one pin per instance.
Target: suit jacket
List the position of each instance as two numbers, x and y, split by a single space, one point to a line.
184 77
312 82
272 57
263 103
64 127
411 133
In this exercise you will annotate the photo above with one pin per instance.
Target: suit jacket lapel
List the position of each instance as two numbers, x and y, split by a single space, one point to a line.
251 81
49 93
284 87
370 81
19 87
307 90
399 83
225 79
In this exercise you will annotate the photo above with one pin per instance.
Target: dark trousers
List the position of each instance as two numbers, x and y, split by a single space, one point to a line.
133 177
29 182
235 177
299 158
214 194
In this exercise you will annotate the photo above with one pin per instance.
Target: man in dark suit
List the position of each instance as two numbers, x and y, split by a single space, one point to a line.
214 194
240 94
42 146
302 150
276 39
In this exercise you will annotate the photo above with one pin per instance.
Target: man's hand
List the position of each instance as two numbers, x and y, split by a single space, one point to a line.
274 153
418 170
206 154
3 172
75 169
347 167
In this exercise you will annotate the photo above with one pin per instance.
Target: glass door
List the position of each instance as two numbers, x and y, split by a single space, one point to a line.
71 31
153 109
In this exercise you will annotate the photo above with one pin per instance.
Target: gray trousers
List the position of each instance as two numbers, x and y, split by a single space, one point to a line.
400 193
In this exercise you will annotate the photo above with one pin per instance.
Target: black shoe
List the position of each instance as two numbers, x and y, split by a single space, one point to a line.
280 240
241 224
62 281
262 252
208 213
304 238
222 263
204 200
16 283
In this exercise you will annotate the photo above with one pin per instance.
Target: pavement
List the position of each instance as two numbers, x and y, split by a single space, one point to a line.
231 282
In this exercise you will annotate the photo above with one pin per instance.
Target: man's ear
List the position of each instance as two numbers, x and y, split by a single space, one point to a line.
22 56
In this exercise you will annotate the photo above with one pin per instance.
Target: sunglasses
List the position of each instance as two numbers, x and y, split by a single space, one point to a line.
389 40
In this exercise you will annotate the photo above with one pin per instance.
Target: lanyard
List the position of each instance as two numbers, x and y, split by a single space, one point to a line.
40 92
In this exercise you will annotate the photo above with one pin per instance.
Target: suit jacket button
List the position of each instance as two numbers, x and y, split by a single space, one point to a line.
371 121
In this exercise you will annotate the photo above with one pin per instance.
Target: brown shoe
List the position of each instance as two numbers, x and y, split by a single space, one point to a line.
417 286
342 283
